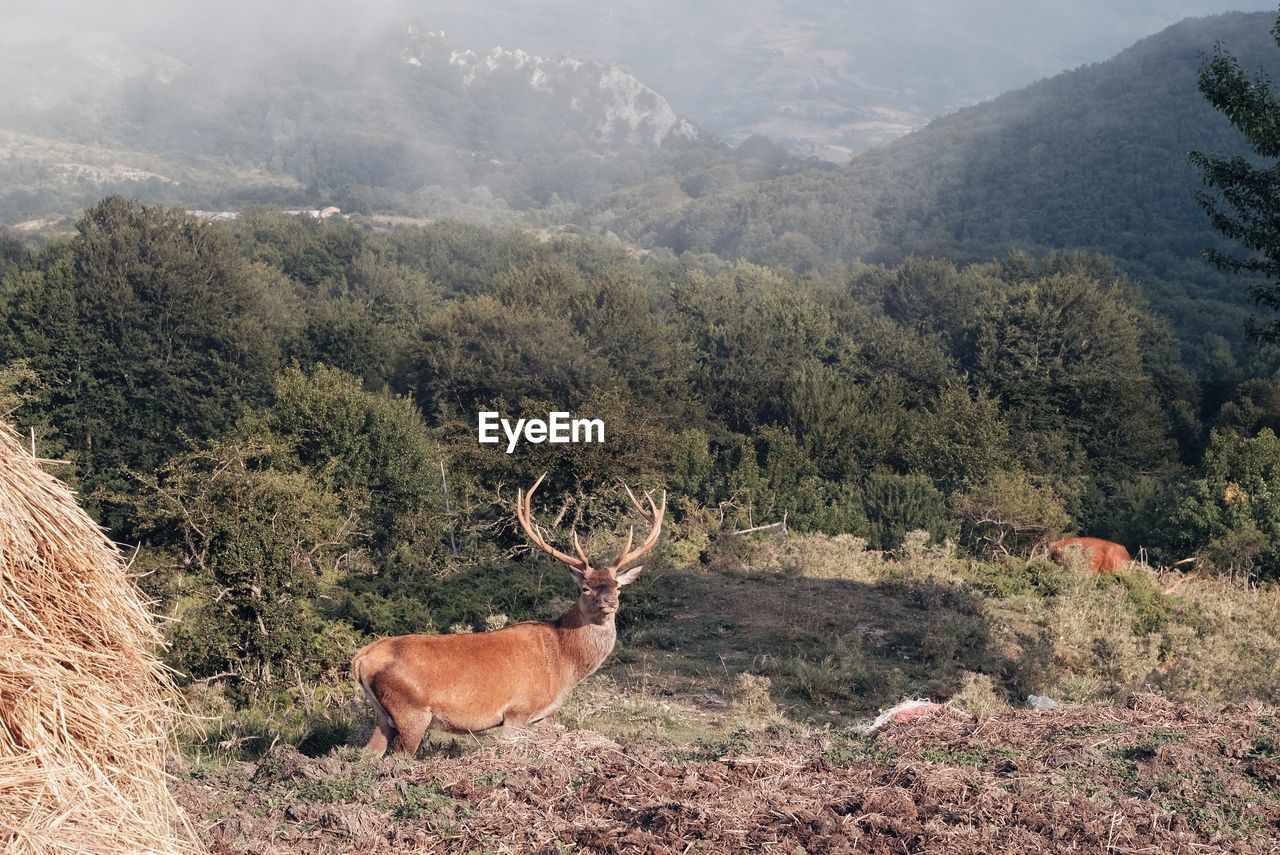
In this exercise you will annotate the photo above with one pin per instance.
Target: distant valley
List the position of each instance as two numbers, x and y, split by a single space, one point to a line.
409 122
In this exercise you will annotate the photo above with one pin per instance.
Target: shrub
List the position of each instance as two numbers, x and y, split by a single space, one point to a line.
1008 514
896 504
1232 510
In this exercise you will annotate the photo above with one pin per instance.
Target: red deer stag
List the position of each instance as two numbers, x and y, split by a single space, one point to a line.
511 676
1098 555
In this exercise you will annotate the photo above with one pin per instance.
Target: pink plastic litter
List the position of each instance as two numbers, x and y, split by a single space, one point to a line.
908 710
923 709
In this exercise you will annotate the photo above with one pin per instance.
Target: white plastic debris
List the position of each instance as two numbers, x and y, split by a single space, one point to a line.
1041 702
909 710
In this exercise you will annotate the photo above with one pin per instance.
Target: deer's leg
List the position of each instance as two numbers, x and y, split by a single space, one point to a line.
383 732
514 723
383 729
410 727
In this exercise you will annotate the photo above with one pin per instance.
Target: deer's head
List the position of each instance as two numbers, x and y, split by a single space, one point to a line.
598 598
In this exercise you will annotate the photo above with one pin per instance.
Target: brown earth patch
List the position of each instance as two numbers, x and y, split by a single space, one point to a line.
1151 776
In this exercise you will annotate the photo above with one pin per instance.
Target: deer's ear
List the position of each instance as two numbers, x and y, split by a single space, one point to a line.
579 577
626 577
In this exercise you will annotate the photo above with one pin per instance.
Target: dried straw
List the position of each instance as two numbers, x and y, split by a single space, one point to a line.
86 708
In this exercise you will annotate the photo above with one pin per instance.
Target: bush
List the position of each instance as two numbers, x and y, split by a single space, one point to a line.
896 504
1231 512
1008 514
248 547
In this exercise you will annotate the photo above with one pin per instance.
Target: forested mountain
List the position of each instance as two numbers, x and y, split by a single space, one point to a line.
401 120
1095 158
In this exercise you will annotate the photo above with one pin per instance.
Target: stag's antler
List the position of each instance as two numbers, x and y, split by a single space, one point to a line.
654 515
524 513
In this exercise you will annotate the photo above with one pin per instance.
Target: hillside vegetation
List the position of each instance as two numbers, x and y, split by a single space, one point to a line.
1094 158
282 411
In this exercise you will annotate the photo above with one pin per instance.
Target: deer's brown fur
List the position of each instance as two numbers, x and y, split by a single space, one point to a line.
1097 555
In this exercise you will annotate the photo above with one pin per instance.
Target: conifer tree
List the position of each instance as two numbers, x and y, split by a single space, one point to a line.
1246 206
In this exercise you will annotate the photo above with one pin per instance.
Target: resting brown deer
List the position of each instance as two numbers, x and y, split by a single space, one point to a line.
512 676
1097 555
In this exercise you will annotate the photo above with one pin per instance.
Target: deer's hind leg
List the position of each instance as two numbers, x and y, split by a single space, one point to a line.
383 732
410 726
384 729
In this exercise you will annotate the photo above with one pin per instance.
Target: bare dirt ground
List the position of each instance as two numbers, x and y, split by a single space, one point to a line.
1150 776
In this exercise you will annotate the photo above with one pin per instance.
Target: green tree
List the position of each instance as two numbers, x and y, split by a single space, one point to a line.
958 439
1231 510
932 296
478 351
1064 356
846 428
145 327
896 504
749 330
373 451
248 543
613 315
1246 208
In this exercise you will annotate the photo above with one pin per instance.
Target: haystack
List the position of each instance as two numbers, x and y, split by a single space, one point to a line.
86 708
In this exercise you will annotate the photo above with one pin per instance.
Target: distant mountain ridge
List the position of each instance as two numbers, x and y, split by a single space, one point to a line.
407 121
825 77
626 111
1094 158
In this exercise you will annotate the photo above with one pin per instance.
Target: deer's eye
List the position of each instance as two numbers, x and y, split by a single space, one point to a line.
586 590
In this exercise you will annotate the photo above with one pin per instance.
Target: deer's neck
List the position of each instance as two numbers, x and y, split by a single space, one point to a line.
585 644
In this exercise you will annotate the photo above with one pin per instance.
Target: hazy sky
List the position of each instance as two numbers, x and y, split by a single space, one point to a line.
1085 28
716 60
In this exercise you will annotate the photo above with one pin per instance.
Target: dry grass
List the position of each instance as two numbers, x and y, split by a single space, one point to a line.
1076 636
86 706
1149 776
701 736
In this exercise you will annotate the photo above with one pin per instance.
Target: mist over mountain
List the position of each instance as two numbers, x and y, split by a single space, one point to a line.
400 119
303 105
826 77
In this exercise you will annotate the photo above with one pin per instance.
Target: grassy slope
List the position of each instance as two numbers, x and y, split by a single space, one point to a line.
842 632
